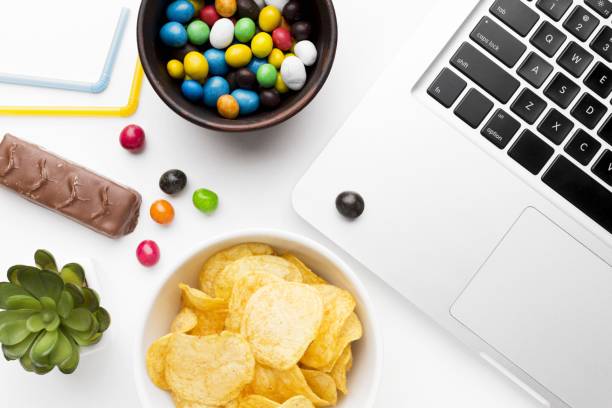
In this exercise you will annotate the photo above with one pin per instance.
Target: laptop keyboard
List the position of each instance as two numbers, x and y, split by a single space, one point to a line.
566 99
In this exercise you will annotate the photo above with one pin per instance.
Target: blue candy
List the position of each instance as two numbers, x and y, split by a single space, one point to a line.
255 64
192 90
173 34
214 88
181 11
247 100
216 62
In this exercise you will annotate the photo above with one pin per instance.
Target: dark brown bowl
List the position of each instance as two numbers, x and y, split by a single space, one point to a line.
154 56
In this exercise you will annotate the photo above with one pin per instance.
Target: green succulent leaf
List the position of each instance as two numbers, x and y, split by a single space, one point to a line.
84 338
103 318
35 323
26 362
73 273
65 304
92 300
45 260
15 271
13 332
48 304
77 294
41 283
62 351
18 350
23 302
79 319
71 364
7 290
95 339
44 345
54 324
42 370
14 315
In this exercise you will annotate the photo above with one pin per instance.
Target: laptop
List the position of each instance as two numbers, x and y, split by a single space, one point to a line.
484 157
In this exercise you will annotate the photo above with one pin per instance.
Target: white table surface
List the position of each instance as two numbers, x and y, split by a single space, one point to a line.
254 175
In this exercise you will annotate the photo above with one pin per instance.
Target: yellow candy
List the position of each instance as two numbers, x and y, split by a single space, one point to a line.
289 54
270 18
226 8
280 85
228 107
197 4
196 66
238 55
276 58
262 45
176 69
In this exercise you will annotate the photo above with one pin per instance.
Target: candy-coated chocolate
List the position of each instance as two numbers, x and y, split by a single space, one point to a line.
249 9
162 212
228 107
192 90
278 4
205 200
197 5
173 181
301 30
226 8
269 18
280 85
247 100
350 204
173 34
209 15
180 53
232 80
292 11
255 64
245 79
276 58
306 51
214 88
266 75
198 32
216 62
282 39
148 253
196 66
181 11
132 138
245 29
222 34
293 73
175 69
270 98
262 45
238 55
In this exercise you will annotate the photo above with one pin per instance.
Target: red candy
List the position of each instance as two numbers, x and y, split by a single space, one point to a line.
282 39
209 15
132 138
148 253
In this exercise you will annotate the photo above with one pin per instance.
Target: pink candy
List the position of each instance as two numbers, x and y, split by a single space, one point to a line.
148 253
132 138
282 39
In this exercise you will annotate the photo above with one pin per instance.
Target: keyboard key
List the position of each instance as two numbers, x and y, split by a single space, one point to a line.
498 42
582 147
581 23
487 74
515 15
474 108
548 39
528 106
500 129
556 126
554 9
575 59
535 70
602 44
577 187
447 87
606 131
601 7
562 90
589 111
603 167
531 152
600 80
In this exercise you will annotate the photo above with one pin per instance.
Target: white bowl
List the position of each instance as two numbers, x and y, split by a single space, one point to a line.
364 378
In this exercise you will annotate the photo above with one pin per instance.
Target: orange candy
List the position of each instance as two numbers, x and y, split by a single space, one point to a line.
228 107
162 212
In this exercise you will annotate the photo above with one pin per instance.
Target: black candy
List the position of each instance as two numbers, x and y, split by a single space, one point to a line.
248 8
270 98
232 80
301 30
350 204
173 181
245 79
292 11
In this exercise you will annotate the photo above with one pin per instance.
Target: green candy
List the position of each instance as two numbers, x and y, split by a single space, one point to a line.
245 29
266 75
198 32
205 200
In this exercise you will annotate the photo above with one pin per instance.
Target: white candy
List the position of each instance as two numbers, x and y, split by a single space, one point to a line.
306 51
279 4
293 73
222 33
260 3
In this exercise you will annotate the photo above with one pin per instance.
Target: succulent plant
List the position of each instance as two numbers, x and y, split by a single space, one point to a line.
49 314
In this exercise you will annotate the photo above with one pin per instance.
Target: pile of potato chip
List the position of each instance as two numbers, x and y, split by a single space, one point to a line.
264 331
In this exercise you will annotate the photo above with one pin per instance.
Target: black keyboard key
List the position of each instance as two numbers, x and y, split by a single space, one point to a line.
500 129
600 80
602 44
535 70
515 15
487 74
577 187
562 90
474 108
606 131
528 106
531 152
589 111
603 167
555 126
498 42
447 87
582 147
575 59
554 9
581 23
601 7
548 39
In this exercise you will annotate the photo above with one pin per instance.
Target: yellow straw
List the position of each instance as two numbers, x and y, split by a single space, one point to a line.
110 111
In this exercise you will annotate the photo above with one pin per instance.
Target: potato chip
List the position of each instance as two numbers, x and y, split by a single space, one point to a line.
196 299
185 321
280 385
341 368
351 331
308 276
298 402
244 288
156 361
212 322
274 265
257 401
181 403
218 261
322 384
338 305
210 370
280 321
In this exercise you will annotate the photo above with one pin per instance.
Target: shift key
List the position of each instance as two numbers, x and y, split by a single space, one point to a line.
487 74
498 42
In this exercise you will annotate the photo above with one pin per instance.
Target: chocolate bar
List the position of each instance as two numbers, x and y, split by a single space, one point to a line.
67 188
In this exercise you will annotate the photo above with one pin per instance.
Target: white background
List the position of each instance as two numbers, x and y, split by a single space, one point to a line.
253 174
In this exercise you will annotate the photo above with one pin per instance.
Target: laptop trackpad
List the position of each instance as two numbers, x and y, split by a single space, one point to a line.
544 301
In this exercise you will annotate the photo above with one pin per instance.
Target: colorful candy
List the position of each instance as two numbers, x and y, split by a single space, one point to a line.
173 34
245 79
132 138
301 30
292 11
238 55
306 51
293 73
350 204
270 98
255 64
226 8
245 29
198 32
162 212
249 9
266 76
228 107
175 69
209 15
181 11
205 200
173 181
192 90
215 88
196 66
197 5
280 85
276 58
269 18
216 62
248 101
282 39
148 253
222 33
262 45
